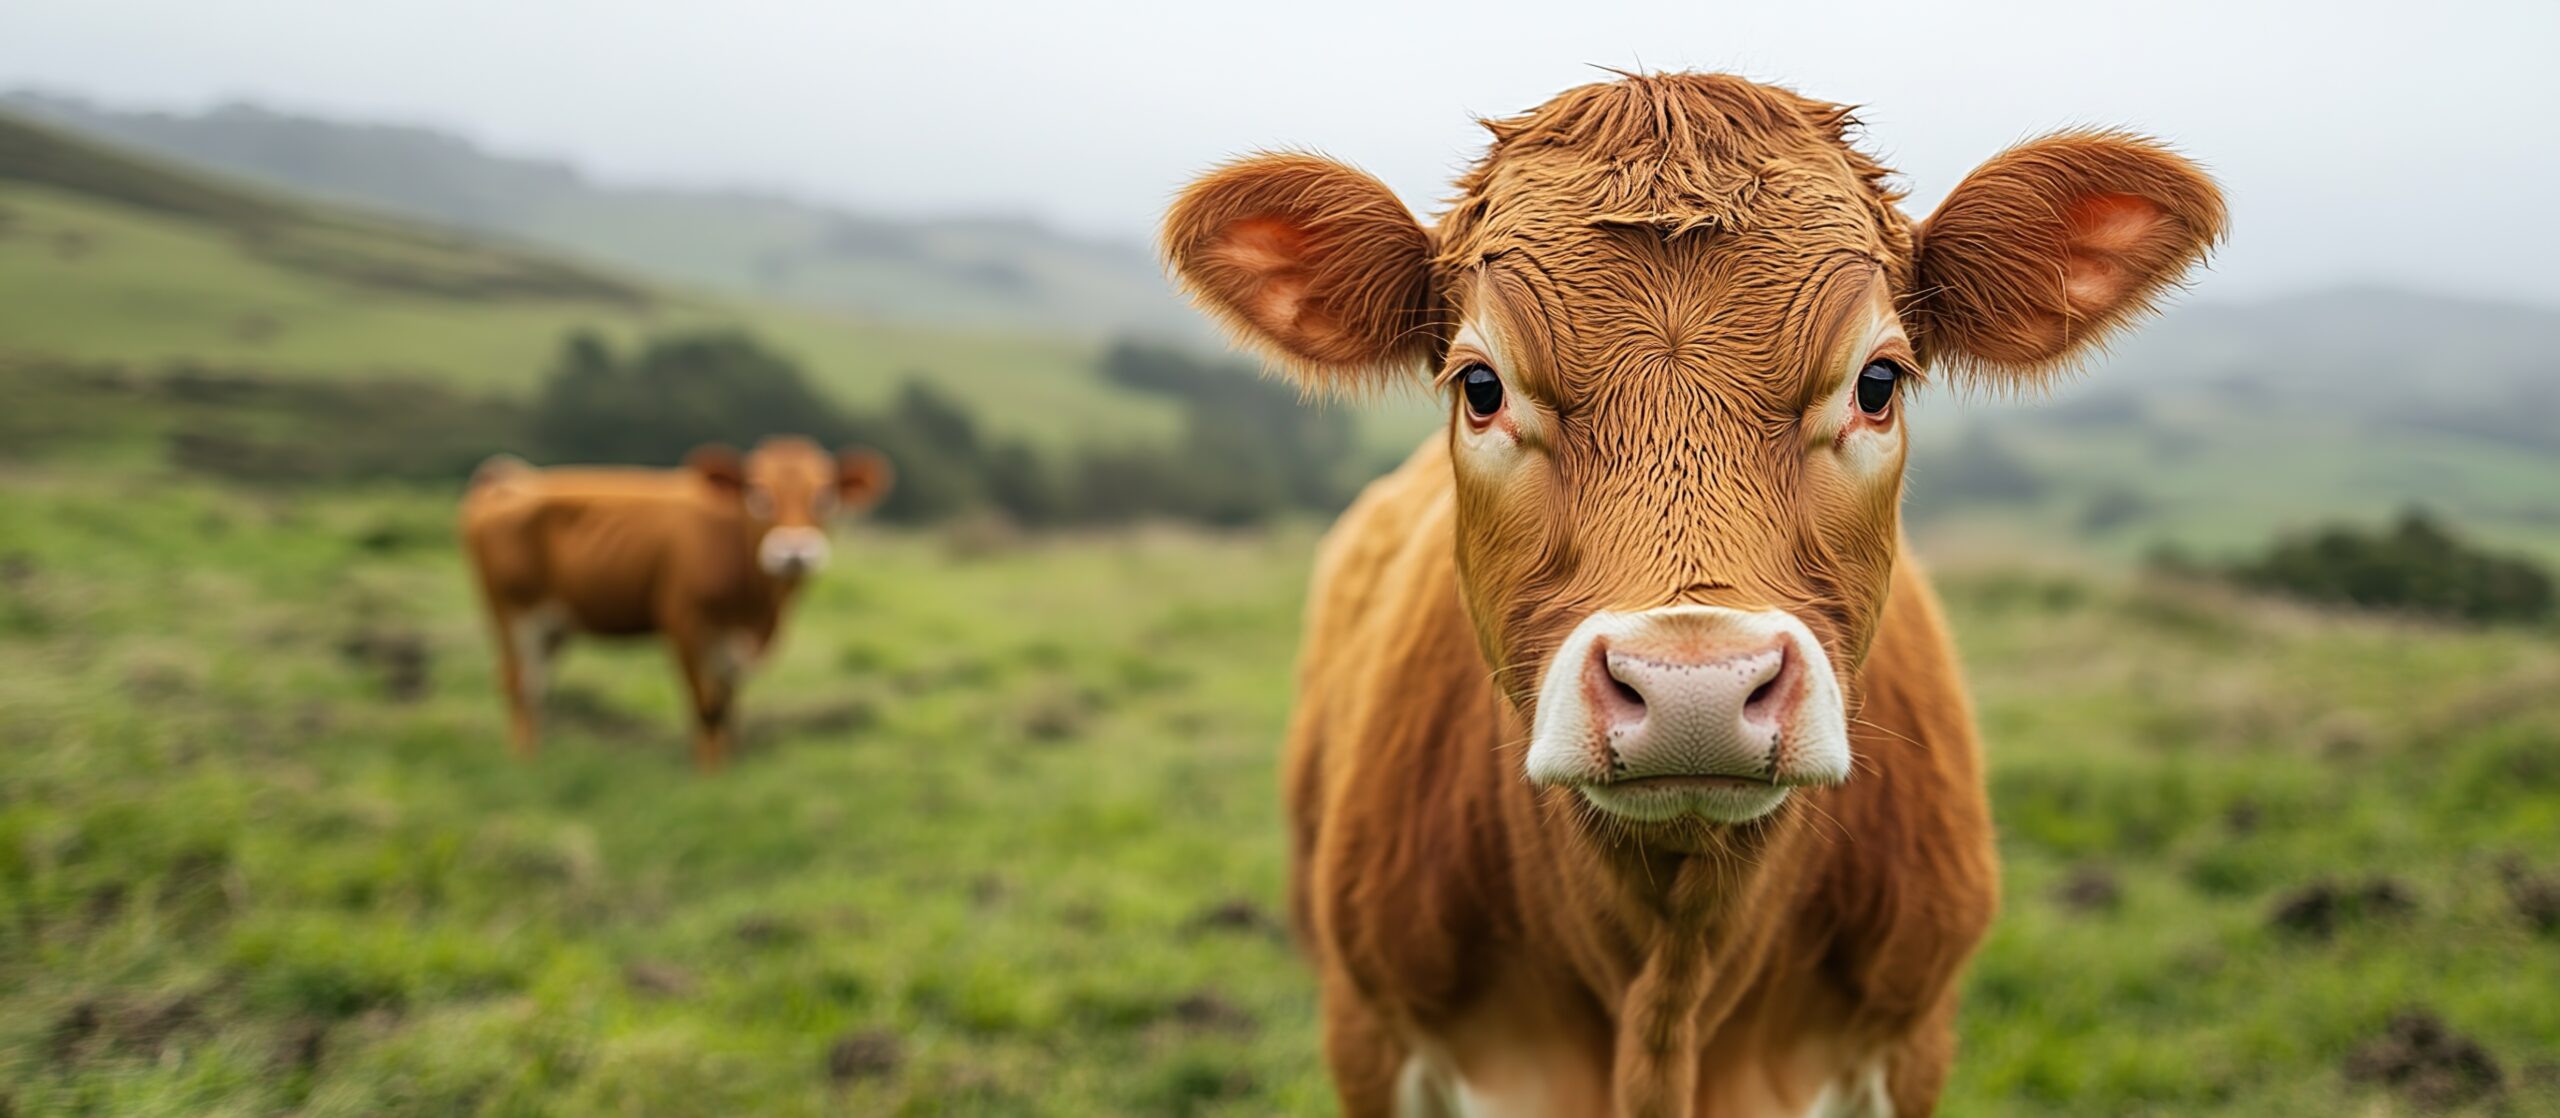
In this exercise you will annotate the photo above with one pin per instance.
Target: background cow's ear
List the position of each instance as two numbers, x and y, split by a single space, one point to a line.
2043 251
719 465
1313 263
863 477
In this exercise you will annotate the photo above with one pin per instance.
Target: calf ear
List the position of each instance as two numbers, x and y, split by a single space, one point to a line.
2054 244
1313 263
862 477
719 465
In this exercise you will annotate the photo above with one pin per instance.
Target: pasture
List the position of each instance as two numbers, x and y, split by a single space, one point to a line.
1003 837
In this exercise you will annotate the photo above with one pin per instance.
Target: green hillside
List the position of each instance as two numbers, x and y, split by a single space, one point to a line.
106 257
990 271
2223 423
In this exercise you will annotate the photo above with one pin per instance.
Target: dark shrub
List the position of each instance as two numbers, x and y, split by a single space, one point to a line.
675 394
2416 566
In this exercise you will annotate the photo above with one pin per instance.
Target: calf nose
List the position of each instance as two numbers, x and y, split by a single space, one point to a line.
1711 711
1689 710
790 552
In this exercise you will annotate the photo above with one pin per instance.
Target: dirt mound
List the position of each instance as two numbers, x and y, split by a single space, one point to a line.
2426 1062
2319 909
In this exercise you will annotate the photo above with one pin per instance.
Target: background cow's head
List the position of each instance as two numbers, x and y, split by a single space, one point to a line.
1675 318
787 488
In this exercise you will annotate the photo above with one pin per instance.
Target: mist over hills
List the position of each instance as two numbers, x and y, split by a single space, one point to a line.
2213 425
1013 272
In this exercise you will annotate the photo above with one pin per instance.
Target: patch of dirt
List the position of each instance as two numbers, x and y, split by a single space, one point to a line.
988 890
302 1045
656 979
105 901
834 720
1238 916
72 1030
2423 1060
1202 1011
2089 889
2319 909
592 713
867 1054
2536 897
398 659
129 1026
1052 715
767 931
2241 819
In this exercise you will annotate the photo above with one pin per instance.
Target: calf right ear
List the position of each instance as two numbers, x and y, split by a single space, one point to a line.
719 465
863 477
2041 253
1313 263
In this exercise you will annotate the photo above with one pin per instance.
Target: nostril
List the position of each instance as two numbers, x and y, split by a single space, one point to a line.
1765 699
1615 700
1627 694
1760 695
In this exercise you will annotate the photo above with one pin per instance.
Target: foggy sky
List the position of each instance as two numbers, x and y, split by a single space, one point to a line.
2409 144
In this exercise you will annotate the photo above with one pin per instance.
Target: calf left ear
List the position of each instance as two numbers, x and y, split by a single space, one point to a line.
863 477
2056 243
1313 263
719 465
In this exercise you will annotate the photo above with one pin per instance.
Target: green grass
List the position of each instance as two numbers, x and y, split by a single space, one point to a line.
1005 834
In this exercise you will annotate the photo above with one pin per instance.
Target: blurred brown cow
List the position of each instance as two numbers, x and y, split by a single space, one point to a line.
709 555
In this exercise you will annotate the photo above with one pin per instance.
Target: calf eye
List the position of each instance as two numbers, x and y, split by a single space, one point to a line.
1483 389
1875 387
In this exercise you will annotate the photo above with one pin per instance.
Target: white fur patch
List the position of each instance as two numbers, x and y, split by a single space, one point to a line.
534 633
1858 1094
1569 747
794 551
1868 451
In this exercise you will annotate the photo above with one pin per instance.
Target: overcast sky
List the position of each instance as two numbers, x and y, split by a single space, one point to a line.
2405 143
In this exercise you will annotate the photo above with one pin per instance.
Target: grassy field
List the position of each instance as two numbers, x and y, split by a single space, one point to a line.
1004 839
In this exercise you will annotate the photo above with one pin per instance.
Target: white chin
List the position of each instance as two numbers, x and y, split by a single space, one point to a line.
1736 804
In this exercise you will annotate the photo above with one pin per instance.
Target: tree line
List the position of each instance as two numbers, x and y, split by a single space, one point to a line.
1248 448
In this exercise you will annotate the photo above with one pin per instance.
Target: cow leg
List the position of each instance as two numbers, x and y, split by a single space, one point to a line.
1374 1074
1916 1071
711 679
528 640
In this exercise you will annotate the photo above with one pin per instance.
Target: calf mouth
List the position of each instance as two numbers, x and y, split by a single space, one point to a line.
1674 782
1661 799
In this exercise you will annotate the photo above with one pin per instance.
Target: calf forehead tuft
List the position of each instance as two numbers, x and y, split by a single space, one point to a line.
1676 153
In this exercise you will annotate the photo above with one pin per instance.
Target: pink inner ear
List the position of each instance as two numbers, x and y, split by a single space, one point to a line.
1275 253
2104 237
1262 245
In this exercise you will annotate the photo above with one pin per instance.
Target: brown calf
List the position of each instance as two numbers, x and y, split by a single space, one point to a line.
1631 771
709 555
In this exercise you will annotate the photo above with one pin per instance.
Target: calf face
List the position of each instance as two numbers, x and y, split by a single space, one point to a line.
787 489
1676 318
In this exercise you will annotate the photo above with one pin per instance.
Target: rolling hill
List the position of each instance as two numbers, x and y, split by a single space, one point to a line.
107 256
1008 272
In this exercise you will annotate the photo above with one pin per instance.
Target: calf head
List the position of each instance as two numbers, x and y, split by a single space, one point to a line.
786 490
1676 318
